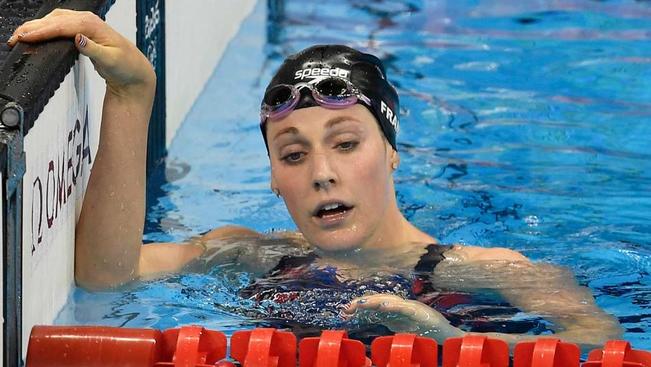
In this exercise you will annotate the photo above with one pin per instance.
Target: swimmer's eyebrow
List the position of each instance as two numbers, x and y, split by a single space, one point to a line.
339 119
289 130
329 125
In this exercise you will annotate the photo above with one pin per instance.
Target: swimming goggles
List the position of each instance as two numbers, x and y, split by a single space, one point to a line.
330 92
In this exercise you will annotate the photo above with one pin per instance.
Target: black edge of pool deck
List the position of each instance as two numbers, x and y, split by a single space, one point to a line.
31 73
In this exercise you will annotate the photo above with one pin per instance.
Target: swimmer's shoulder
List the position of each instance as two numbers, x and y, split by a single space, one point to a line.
229 231
468 254
239 232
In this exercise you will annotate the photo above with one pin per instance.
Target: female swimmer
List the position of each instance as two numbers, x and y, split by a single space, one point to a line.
329 121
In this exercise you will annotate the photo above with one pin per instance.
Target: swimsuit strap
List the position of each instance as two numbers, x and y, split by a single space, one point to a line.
425 265
431 258
422 282
289 262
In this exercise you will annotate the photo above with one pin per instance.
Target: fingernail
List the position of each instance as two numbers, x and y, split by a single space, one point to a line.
11 39
362 301
83 41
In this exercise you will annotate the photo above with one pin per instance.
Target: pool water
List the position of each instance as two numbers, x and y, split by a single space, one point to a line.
523 125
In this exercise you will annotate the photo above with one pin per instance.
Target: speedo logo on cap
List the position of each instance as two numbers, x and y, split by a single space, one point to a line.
321 72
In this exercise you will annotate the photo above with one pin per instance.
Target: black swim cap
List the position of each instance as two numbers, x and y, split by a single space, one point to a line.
363 70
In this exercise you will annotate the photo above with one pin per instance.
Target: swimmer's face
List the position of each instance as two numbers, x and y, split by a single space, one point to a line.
333 169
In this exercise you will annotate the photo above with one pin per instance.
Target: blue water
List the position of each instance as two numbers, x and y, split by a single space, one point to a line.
523 125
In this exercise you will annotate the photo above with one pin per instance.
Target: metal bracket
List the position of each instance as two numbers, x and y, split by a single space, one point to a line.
12 118
16 165
12 144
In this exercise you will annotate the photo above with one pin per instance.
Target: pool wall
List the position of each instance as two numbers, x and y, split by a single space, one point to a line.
60 147
197 33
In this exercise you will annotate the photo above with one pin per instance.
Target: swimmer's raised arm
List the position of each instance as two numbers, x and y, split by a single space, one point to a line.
109 231
108 245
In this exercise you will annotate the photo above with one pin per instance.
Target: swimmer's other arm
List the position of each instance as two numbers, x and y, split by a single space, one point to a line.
542 289
535 288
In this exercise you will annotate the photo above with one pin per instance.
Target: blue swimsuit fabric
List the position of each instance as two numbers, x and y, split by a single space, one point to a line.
306 298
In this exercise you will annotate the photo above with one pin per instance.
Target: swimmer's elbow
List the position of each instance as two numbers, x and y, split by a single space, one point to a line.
593 331
100 270
608 328
99 281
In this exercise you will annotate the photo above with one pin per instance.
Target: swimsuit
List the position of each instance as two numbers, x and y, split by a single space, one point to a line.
307 298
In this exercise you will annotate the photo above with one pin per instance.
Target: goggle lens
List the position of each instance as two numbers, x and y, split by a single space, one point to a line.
278 96
330 93
333 88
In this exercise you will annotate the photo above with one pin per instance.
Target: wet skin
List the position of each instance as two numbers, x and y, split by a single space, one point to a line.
323 157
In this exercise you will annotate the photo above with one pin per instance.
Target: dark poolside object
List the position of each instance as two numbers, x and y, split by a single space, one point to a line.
12 115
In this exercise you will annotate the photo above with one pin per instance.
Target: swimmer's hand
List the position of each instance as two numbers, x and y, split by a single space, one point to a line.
405 316
125 69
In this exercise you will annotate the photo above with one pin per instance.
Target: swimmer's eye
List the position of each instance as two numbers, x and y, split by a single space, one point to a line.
293 158
347 145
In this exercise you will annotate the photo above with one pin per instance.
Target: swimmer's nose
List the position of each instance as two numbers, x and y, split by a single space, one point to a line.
323 184
323 175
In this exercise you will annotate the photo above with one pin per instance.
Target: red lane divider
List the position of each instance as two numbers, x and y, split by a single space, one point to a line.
264 347
92 346
332 349
404 350
546 352
475 351
194 346
618 353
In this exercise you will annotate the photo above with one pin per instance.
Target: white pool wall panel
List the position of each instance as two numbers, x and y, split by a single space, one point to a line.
197 33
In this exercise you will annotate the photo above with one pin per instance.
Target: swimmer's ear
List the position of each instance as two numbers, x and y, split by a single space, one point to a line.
395 159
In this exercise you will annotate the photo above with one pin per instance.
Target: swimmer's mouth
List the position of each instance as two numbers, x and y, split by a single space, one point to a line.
331 209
